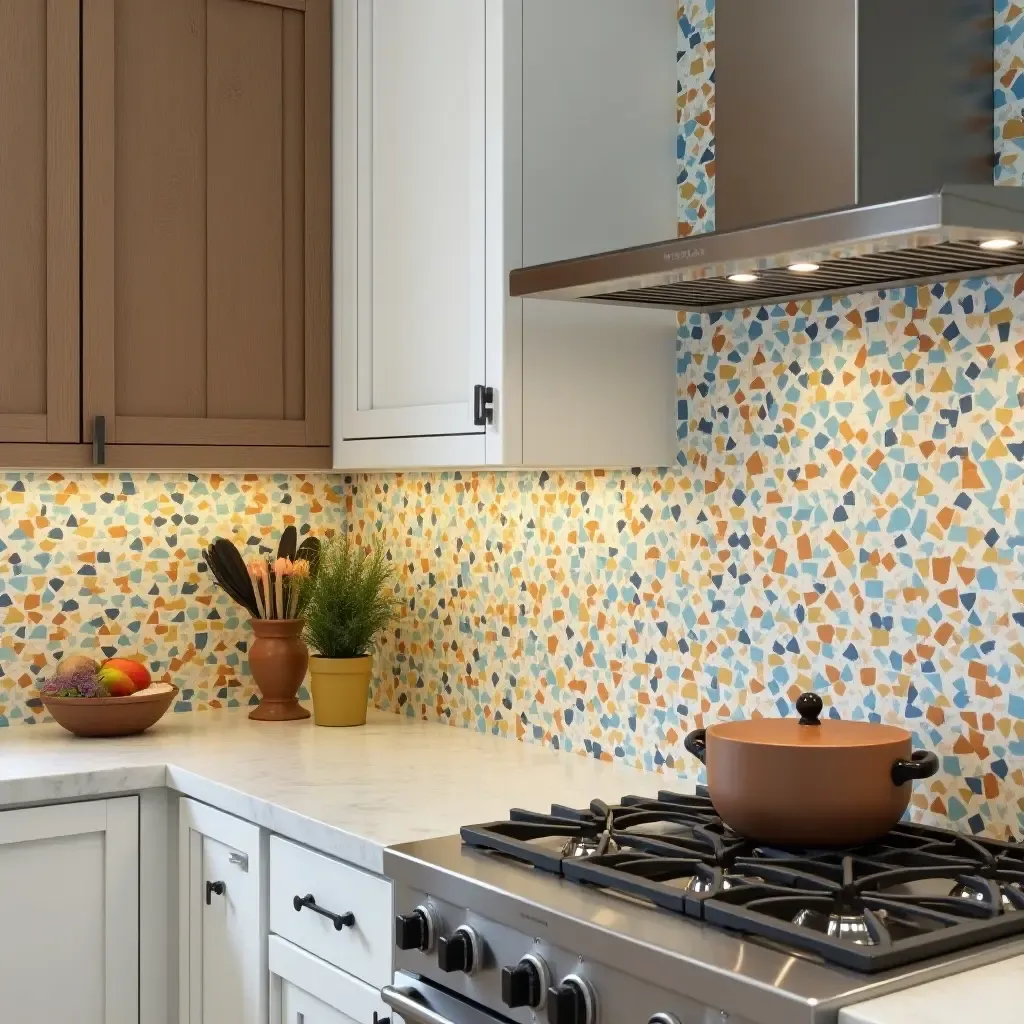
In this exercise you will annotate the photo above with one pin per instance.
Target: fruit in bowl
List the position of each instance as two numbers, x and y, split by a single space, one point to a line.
117 698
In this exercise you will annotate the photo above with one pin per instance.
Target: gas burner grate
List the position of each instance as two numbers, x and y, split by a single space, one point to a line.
918 892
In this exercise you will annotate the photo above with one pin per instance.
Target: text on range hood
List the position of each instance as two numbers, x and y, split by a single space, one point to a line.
839 125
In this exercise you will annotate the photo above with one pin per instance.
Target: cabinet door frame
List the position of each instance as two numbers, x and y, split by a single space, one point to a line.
196 821
294 967
354 240
118 820
59 424
98 242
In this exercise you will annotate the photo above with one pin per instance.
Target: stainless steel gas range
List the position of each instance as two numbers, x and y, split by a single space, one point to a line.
653 912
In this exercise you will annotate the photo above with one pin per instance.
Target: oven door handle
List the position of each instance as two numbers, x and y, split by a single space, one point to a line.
407 1003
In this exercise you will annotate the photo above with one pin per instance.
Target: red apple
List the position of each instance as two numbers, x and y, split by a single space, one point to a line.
137 673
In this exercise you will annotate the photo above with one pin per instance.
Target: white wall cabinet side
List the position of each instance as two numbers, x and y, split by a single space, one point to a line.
222 918
69 933
307 990
498 134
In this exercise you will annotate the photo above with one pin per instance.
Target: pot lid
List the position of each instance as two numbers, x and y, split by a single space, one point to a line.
809 730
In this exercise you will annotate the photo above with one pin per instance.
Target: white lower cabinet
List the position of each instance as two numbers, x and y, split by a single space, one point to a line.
69 933
222 918
306 990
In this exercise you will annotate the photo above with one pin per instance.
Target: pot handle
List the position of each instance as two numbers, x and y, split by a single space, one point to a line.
695 743
923 764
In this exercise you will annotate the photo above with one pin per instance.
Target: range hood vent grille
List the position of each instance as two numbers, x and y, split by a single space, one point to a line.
835 277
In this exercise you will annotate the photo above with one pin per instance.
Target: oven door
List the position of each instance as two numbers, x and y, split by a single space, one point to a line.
416 1001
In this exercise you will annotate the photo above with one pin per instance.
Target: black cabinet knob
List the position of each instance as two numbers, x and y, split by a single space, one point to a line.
412 931
214 889
521 985
456 953
571 1002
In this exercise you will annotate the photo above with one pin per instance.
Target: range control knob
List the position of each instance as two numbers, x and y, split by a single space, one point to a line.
664 1018
416 930
572 1002
526 984
460 951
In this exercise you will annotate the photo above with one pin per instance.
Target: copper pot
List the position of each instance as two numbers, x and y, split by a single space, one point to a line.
809 782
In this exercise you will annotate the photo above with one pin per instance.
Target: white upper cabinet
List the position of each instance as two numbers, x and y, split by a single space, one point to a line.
472 137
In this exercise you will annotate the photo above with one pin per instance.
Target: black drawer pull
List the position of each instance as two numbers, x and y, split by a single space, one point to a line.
309 903
214 889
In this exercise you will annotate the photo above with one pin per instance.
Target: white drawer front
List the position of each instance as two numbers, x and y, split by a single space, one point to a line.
362 948
305 990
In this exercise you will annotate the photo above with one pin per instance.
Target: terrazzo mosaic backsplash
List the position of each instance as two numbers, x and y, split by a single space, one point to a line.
847 514
107 564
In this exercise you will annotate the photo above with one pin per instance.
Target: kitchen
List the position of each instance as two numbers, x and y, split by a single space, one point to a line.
838 514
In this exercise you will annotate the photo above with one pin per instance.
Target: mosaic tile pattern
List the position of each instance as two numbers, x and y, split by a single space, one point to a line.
1009 96
107 564
696 111
847 515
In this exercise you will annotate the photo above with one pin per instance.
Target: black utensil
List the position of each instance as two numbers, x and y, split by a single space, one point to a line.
223 581
289 539
236 574
309 550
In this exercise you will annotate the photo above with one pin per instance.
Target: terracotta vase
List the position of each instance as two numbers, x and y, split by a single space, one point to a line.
278 659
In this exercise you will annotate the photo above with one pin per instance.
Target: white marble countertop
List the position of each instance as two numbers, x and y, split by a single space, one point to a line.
348 792
988 995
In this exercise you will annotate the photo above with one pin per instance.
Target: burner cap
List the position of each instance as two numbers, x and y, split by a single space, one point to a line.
589 846
846 925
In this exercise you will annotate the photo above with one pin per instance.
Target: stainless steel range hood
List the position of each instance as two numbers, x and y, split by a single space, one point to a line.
853 141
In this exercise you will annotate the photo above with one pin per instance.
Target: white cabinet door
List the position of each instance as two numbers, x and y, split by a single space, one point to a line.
223 918
69 930
306 990
410 217
298 1007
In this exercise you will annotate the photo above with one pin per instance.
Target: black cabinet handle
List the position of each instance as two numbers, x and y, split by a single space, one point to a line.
380 1020
99 441
483 405
309 903
214 889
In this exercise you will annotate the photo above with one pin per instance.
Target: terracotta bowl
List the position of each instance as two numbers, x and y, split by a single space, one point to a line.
110 716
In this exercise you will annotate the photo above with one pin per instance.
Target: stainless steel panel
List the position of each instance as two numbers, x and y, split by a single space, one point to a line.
925 96
785 109
620 996
620 939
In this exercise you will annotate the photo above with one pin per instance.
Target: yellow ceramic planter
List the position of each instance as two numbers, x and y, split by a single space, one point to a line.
341 690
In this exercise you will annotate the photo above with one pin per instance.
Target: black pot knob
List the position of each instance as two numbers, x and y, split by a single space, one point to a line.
809 705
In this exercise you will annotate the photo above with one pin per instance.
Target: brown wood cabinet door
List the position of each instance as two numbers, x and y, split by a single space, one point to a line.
39 222
206 176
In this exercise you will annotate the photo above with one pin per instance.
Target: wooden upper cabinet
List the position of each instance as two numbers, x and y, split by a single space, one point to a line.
206 177
39 221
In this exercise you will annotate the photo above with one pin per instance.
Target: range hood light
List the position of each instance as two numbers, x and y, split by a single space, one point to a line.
743 278
804 268
998 243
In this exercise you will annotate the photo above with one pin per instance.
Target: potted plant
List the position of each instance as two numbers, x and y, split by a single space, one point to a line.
347 604
273 591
